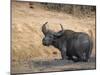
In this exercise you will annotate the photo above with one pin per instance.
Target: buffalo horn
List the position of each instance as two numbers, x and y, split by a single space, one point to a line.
44 30
60 32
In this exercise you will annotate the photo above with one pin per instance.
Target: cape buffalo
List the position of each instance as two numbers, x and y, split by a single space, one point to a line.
76 46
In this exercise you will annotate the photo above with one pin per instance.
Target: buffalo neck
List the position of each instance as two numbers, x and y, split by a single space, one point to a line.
58 43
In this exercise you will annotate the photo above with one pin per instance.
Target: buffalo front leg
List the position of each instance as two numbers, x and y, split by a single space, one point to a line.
63 52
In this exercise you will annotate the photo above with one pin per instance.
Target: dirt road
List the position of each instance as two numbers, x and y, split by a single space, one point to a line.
52 66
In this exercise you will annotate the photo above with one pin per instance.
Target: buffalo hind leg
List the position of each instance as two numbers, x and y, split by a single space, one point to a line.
82 57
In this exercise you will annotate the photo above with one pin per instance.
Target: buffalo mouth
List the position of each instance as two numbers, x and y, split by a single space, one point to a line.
45 44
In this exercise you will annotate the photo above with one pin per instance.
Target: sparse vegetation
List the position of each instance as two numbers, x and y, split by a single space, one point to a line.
75 10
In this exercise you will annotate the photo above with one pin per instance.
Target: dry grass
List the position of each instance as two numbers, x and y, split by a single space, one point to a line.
27 35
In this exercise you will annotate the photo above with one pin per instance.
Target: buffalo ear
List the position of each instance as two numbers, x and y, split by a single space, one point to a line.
44 30
58 34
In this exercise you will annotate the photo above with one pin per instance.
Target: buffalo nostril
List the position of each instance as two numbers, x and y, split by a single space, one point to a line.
43 43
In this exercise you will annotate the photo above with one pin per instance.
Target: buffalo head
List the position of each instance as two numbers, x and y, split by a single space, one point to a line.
50 36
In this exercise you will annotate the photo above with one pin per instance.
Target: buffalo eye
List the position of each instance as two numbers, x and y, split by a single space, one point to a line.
51 36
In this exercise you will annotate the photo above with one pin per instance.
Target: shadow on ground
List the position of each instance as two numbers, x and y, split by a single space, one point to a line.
52 66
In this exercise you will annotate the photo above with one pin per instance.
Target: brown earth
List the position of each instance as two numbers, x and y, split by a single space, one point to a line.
27 35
